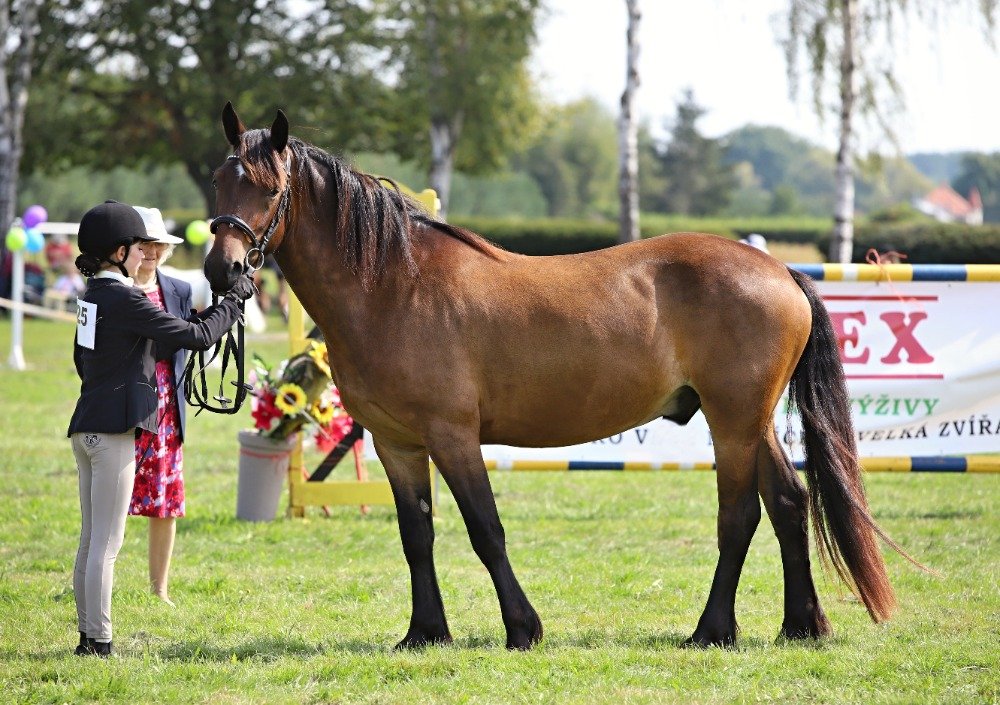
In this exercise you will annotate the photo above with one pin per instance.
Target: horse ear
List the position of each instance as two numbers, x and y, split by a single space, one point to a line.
279 132
232 124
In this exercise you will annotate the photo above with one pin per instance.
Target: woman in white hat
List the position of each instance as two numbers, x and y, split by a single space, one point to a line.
158 492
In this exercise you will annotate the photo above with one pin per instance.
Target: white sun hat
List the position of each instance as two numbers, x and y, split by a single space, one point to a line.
155 227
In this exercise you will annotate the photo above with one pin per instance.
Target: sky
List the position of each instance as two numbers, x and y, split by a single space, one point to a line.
727 51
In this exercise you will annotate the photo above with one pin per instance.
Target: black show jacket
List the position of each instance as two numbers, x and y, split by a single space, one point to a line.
118 377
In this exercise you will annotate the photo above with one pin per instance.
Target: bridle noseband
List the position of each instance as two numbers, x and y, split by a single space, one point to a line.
254 258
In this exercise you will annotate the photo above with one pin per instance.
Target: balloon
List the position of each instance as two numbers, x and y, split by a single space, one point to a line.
34 215
35 240
16 239
197 232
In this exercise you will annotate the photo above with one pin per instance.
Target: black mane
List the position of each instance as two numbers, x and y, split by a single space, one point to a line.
373 217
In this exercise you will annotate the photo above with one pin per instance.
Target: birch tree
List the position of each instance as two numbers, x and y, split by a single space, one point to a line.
628 134
18 29
852 40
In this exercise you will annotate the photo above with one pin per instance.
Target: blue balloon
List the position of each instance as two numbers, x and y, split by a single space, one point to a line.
36 241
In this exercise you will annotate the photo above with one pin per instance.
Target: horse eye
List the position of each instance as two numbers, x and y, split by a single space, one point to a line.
274 192
215 184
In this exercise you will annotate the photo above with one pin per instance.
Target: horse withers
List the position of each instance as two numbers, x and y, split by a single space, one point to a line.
439 341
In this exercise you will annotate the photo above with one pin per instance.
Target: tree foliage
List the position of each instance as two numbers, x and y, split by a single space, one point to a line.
146 81
573 159
789 175
463 95
698 180
981 171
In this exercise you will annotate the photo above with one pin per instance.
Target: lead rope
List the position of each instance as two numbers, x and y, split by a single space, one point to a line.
196 380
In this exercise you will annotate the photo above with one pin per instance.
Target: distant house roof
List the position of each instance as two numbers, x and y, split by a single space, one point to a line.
945 198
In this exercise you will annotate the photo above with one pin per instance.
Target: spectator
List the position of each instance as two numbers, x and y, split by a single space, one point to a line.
158 491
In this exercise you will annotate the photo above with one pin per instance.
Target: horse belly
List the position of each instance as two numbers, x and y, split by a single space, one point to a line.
567 399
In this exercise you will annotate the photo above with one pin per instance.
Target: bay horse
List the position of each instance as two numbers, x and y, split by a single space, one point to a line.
440 341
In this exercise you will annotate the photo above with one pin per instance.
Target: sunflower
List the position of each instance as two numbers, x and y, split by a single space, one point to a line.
291 399
317 352
323 413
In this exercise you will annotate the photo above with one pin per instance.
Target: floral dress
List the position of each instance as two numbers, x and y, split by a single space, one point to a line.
159 457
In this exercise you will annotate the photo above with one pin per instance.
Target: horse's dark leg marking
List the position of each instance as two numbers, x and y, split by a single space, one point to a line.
409 477
458 457
787 504
739 514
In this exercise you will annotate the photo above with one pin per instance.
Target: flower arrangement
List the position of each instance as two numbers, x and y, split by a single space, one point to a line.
299 392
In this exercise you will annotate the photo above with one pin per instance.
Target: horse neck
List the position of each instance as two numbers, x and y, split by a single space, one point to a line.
332 294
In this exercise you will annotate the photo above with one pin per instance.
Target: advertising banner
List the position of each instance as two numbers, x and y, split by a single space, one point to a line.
921 353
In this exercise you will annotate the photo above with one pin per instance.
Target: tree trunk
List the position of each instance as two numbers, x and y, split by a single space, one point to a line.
444 134
842 244
444 129
628 135
15 76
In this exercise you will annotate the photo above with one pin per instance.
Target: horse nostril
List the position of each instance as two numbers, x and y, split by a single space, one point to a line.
235 270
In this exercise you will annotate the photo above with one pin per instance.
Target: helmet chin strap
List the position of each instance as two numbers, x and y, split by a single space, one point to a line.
121 264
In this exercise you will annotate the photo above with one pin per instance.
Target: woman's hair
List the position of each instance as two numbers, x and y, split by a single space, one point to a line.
89 264
166 254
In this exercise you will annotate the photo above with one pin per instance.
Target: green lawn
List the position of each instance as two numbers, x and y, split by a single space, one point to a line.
617 565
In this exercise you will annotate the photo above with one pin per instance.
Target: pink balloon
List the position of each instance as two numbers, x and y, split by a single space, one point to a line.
34 215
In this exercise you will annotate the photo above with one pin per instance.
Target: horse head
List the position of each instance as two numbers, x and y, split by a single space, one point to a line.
252 199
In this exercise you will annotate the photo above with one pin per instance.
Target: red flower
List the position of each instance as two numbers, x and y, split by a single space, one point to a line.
264 410
328 436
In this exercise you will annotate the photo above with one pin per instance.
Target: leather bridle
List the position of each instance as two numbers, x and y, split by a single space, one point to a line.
196 390
254 258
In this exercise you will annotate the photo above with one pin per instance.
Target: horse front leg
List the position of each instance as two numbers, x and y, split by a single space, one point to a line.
409 476
457 455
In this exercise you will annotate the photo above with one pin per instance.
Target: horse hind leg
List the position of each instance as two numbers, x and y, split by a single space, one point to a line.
787 504
460 461
409 477
739 515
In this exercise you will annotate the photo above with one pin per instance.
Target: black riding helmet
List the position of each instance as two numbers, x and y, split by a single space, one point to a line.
104 228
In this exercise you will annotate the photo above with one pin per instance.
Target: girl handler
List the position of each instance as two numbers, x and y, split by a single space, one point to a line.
117 328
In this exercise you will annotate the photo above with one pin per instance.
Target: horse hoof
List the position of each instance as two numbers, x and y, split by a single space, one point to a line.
703 640
816 630
524 639
414 641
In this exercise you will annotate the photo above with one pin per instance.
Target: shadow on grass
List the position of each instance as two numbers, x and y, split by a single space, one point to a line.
596 639
947 514
266 648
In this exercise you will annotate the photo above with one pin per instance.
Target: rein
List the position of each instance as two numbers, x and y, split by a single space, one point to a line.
195 381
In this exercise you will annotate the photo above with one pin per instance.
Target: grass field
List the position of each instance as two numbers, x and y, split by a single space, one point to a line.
617 565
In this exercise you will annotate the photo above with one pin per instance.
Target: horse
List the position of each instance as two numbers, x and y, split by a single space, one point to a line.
440 341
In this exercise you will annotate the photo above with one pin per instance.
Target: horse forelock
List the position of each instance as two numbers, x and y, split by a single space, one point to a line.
258 159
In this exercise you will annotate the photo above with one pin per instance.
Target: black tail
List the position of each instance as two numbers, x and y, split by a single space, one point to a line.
845 530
